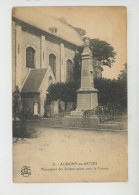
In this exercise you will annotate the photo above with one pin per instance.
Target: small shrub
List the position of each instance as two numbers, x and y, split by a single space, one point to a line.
22 131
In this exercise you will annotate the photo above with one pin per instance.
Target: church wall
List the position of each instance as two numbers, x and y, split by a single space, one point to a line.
29 40
53 48
69 54
62 51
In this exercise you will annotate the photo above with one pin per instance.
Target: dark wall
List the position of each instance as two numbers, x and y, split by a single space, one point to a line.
28 101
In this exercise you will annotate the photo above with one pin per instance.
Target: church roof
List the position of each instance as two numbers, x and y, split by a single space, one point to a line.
34 80
47 23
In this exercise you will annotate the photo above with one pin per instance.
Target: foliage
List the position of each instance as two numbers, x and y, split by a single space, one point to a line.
16 103
123 74
63 91
112 92
21 130
102 51
77 64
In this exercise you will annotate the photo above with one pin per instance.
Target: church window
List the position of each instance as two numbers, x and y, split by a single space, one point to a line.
30 57
70 71
52 63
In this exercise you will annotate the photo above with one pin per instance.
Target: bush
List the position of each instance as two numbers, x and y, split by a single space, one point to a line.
20 130
63 91
112 93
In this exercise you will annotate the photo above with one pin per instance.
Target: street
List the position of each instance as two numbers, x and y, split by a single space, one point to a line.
96 156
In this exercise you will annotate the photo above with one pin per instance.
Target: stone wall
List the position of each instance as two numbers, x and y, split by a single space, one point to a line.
23 37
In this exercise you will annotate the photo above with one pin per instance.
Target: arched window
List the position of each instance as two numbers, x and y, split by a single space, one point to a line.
30 57
70 71
52 63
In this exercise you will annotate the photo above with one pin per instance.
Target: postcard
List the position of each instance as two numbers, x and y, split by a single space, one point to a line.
69 94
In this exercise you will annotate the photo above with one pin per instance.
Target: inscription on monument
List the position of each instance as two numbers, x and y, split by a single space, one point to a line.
84 101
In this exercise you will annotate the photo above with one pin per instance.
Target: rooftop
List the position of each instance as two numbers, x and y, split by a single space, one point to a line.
47 23
33 81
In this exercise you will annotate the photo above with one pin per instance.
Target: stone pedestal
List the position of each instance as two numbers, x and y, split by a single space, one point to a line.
87 99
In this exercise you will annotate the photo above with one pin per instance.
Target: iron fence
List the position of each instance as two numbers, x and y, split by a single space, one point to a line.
107 114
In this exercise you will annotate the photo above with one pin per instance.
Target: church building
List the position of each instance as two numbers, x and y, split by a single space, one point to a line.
43 49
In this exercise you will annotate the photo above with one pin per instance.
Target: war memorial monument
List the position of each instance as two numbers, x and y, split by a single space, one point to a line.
87 98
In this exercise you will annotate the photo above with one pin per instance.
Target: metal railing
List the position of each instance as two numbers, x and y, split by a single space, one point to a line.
107 114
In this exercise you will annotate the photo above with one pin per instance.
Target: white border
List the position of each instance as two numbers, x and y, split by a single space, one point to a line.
7 187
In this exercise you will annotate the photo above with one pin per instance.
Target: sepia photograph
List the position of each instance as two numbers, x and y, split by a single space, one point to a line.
69 94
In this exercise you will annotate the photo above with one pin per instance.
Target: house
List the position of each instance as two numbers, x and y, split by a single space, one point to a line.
43 49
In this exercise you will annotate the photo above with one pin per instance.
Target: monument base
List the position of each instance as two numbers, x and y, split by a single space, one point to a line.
80 122
76 113
87 99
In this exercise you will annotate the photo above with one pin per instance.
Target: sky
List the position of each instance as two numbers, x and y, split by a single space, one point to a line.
106 23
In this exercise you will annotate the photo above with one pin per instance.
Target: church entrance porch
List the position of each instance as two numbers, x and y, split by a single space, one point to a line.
34 91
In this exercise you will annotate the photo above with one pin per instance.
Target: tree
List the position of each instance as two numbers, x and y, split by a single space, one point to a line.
103 52
123 74
16 102
77 64
112 93
62 91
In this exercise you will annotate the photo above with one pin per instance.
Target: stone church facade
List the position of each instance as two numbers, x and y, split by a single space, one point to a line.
43 49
